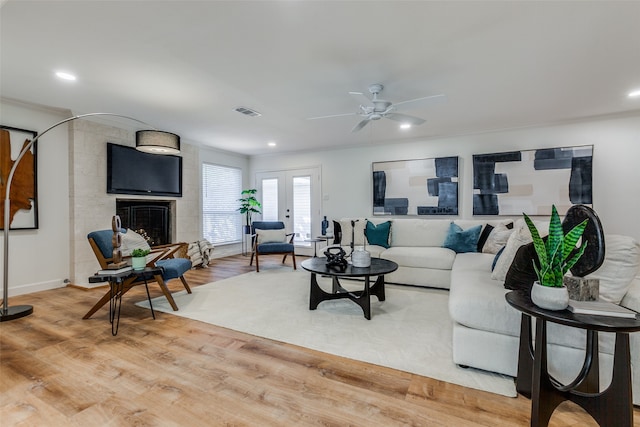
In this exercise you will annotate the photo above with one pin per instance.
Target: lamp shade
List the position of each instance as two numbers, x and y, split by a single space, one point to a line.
157 142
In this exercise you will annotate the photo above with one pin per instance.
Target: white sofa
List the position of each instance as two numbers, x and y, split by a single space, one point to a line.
415 245
486 329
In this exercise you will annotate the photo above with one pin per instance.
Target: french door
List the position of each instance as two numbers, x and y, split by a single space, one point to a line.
293 196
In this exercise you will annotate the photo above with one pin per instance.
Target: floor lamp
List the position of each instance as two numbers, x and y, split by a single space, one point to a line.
150 141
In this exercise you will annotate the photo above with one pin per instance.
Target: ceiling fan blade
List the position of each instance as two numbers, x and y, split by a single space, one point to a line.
405 118
362 97
360 125
420 102
332 115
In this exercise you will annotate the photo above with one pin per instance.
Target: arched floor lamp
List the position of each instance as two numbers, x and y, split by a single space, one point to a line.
149 141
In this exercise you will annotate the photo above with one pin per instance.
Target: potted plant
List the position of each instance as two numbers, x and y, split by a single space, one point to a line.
139 258
555 256
248 206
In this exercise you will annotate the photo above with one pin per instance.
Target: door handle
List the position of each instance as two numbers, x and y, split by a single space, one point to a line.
286 216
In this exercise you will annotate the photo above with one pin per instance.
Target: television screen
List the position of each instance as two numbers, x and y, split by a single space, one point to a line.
130 171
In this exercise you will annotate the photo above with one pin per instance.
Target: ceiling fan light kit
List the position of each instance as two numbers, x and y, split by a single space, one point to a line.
376 109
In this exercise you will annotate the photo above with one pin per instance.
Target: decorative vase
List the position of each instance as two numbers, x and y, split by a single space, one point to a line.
549 298
361 258
138 263
246 229
325 225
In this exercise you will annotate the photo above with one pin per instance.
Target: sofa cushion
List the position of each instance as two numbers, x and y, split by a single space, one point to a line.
425 257
419 232
271 236
460 240
521 273
620 266
484 235
378 234
519 237
497 239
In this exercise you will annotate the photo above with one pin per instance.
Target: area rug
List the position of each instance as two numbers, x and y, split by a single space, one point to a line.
410 331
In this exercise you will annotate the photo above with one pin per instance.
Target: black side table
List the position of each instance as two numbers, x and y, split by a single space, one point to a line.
613 406
119 283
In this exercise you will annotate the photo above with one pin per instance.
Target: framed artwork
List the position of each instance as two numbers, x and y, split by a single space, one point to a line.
24 194
517 182
416 187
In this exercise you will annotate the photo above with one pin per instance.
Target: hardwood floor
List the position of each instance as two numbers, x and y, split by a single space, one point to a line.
59 370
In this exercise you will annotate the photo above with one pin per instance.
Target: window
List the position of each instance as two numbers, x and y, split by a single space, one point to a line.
270 199
221 188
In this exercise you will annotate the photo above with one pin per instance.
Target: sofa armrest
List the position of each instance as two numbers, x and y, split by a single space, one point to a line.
632 297
632 300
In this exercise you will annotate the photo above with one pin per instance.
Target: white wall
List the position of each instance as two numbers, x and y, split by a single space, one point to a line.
346 173
39 259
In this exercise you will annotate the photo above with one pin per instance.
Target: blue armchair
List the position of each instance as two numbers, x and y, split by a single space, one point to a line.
271 242
163 256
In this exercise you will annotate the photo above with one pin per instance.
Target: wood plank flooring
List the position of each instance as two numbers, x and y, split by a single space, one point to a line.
59 370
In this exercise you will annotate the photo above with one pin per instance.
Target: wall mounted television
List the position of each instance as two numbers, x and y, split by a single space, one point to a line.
130 171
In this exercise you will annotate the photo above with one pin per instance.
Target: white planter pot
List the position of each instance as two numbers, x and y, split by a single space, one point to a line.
549 298
138 263
361 258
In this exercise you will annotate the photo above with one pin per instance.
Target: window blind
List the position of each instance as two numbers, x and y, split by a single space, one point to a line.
221 189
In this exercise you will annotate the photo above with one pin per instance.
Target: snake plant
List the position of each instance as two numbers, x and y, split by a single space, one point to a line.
556 255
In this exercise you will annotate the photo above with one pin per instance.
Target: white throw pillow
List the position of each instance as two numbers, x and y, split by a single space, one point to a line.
497 239
620 266
132 240
520 236
358 238
271 236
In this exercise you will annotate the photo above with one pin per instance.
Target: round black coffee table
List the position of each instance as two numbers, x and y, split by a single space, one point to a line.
611 407
379 267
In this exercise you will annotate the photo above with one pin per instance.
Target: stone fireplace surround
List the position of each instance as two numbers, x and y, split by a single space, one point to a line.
91 208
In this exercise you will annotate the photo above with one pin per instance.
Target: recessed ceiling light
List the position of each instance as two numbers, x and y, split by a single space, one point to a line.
634 94
405 126
271 144
65 76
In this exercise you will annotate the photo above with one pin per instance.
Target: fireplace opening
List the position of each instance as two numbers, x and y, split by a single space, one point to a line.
150 218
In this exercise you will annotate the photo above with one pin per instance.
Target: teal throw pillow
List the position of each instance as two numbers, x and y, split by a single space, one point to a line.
378 234
460 240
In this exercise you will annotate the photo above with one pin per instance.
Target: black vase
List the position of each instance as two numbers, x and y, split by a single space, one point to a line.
247 229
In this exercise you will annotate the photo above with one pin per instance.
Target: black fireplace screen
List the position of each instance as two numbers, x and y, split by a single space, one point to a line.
151 219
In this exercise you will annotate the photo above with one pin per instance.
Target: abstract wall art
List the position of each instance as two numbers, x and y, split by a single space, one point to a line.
517 182
416 187
23 193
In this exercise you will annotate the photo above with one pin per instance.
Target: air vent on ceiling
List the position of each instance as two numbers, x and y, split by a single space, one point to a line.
248 111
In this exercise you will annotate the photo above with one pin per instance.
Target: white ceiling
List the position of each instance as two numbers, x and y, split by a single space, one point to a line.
183 66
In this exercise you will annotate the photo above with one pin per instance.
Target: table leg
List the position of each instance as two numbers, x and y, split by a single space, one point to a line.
612 407
146 286
525 357
115 305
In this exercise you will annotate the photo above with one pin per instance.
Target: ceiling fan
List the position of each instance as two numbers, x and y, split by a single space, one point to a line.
376 108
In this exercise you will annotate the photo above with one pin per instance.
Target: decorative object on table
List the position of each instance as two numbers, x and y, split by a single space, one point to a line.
336 258
116 241
248 206
549 175
325 226
430 186
23 213
164 139
139 258
601 308
581 288
361 258
353 235
555 256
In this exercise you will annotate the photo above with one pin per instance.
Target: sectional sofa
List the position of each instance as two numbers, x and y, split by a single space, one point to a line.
485 328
